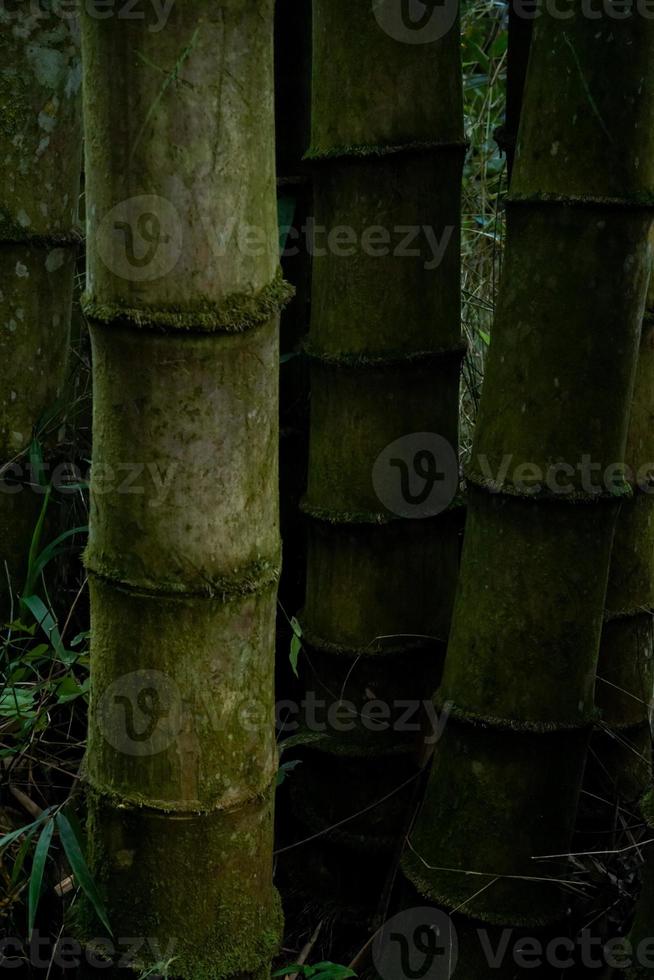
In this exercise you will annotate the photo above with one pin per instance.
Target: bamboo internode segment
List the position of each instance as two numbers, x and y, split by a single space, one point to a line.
385 348
183 296
640 935
41 149
520 671
625 672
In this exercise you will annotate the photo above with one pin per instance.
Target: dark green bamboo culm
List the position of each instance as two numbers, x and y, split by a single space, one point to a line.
520 672
642 929
385 351
184 291
294 196
41 150
621 751
519 43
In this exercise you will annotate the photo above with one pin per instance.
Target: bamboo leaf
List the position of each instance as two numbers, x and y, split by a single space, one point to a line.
47 622
51 551
296 648
36 877
15 834
296 645
37 465
286 204
35 544
80 869
22 854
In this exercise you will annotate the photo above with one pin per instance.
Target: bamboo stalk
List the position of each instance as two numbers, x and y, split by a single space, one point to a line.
520 672
385 350
621 754
41 148
184 323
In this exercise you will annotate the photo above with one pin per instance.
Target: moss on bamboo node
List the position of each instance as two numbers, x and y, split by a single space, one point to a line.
645 201
236 313
11 231
325 515
362 151
546 495
137 801
375 649
488 720
384 359
357 744
411 866
252 579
